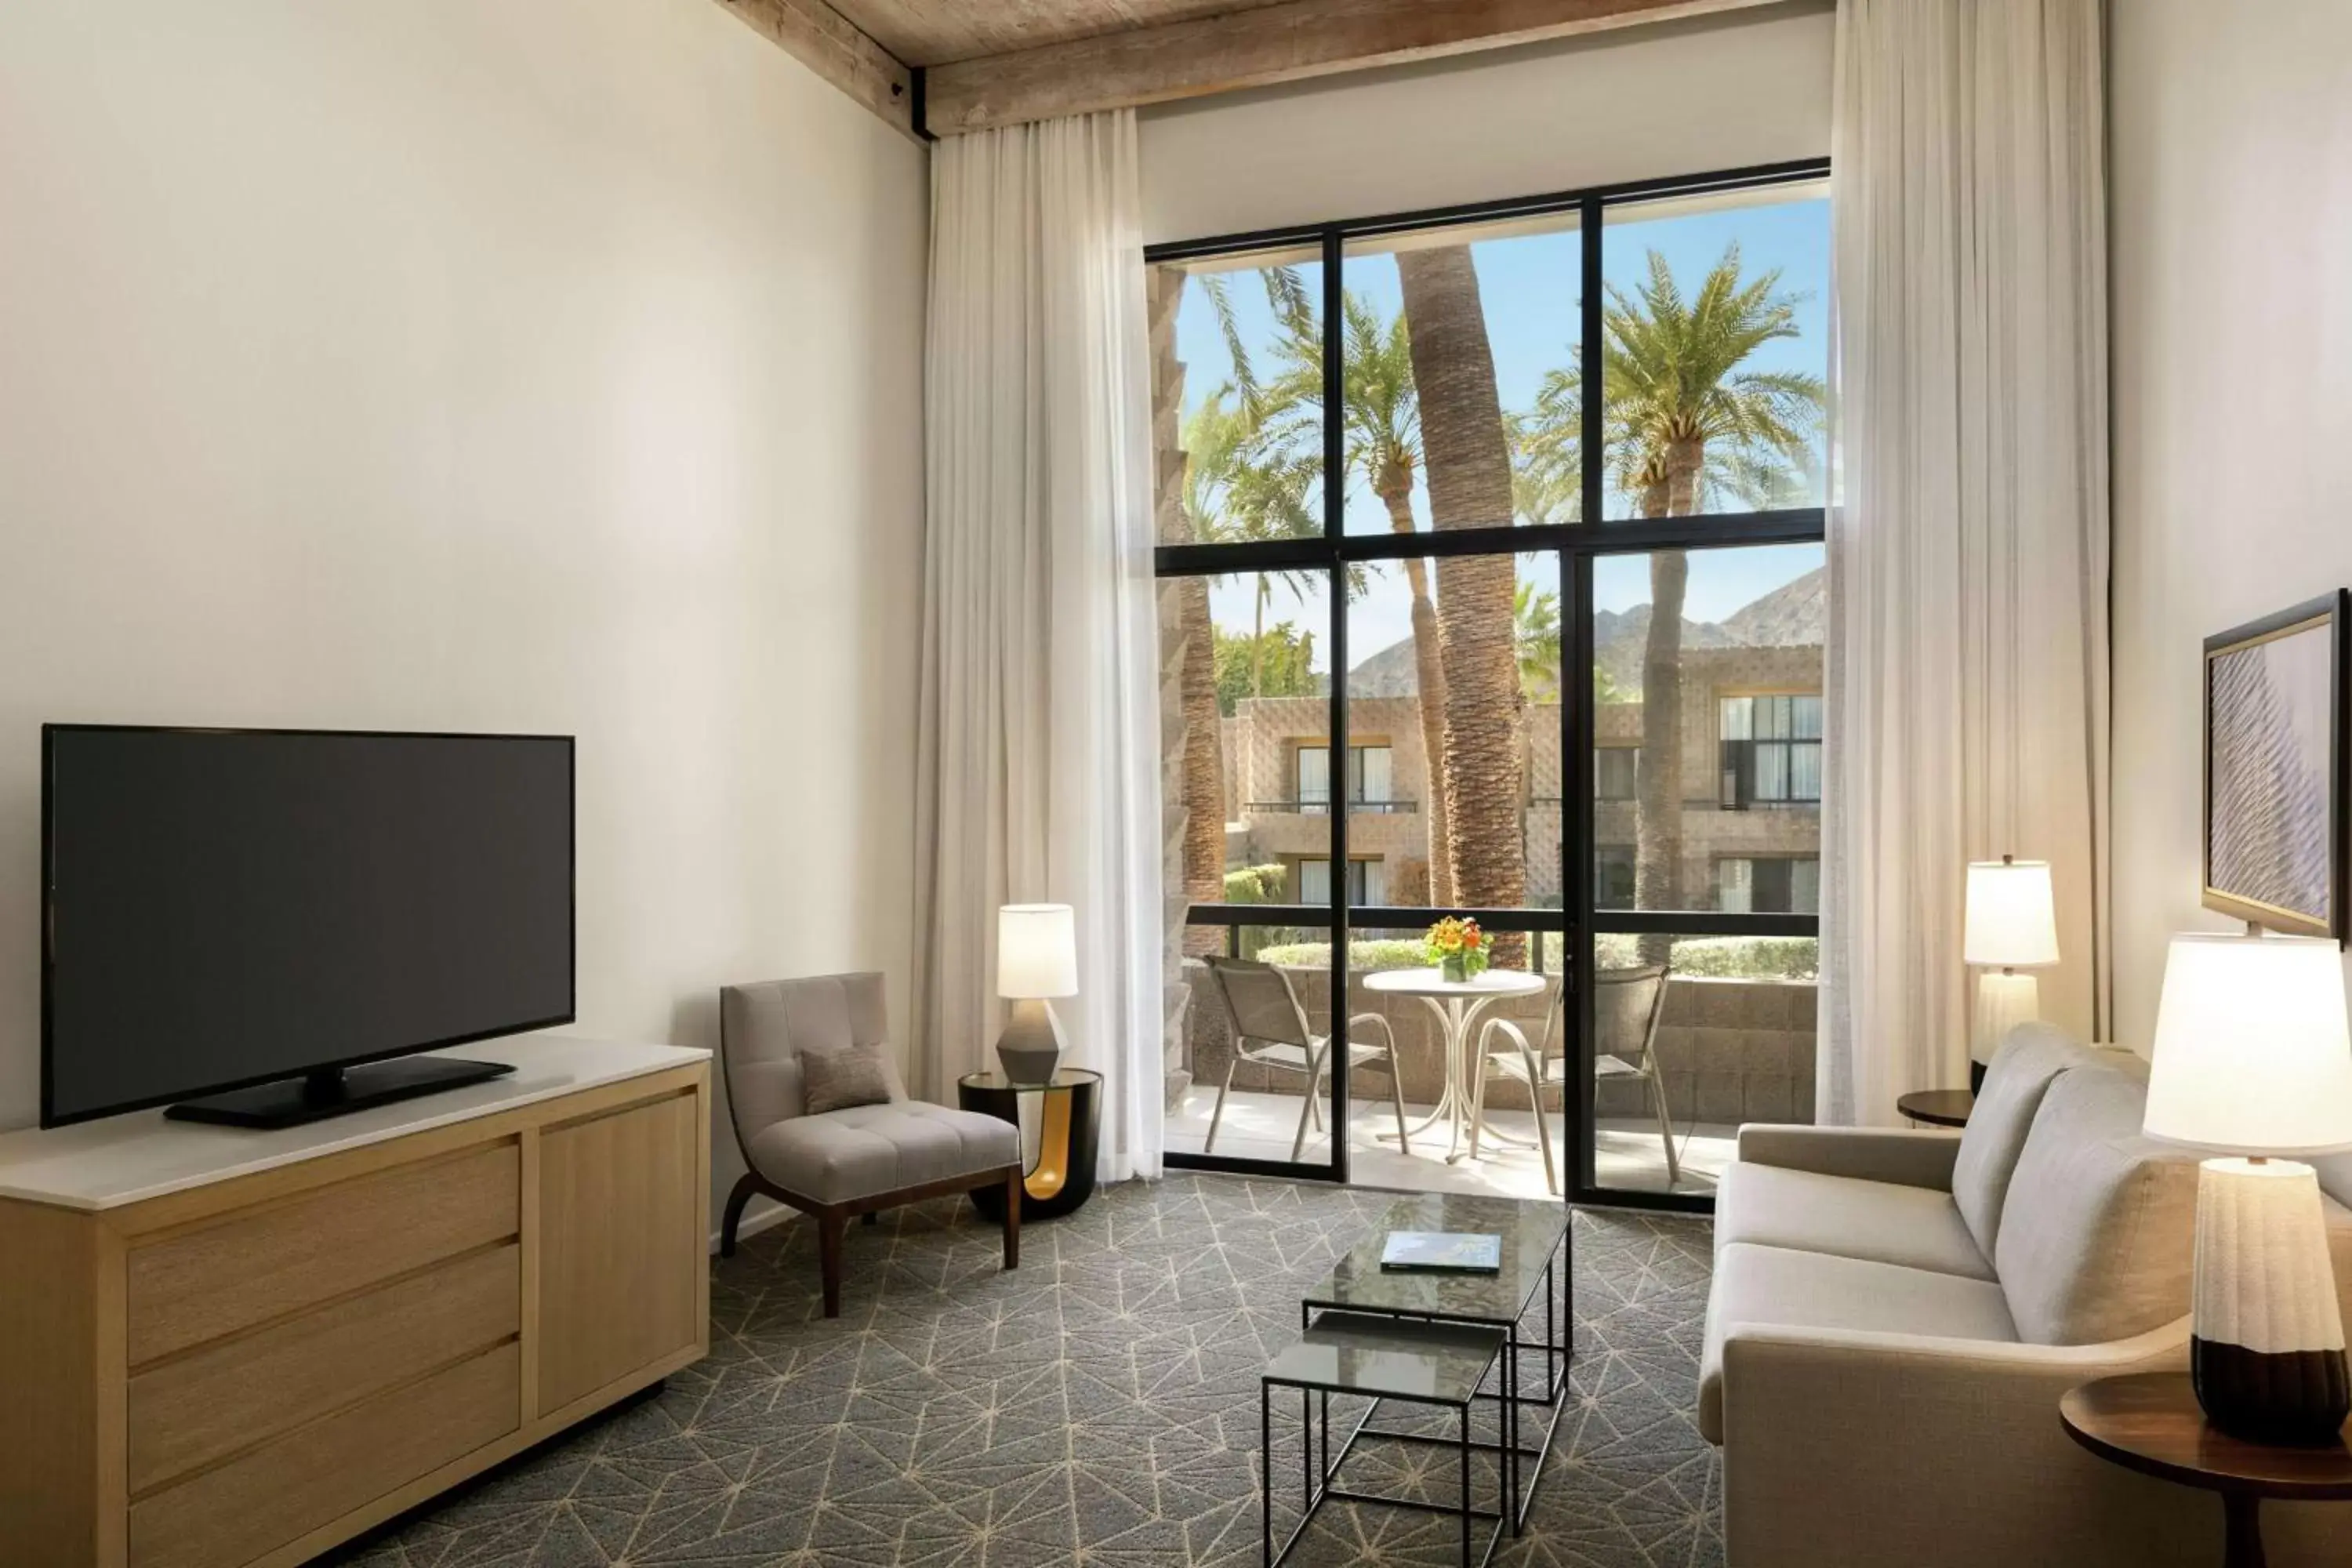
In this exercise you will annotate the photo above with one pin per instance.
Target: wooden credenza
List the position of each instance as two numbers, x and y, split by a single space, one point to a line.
228 1349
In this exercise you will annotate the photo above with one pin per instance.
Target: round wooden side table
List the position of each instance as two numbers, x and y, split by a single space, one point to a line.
1937 1107
1067 1116
2151 1422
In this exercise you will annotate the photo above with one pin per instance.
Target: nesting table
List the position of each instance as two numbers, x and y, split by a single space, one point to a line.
1429 1308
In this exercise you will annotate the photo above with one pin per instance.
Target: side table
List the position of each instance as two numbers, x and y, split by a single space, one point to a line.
1937 1107
2151 1422
1067 1110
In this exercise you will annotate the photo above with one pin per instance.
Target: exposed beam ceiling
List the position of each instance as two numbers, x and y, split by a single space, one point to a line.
822 39
1274 43
999 62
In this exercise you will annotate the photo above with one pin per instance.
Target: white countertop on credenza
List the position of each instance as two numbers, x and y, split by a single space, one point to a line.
130 1158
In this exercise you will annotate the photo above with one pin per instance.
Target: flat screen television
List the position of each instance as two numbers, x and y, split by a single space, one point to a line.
259 924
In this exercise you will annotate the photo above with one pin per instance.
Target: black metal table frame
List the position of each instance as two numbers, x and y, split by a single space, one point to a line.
1315 1414
1557 1353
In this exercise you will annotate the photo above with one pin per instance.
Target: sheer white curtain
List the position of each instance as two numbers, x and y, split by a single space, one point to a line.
1040 730
1967 546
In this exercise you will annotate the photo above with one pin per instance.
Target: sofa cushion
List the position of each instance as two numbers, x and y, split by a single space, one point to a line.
1806 1211
2019 1073
2098 1234
870 1149
1775 1286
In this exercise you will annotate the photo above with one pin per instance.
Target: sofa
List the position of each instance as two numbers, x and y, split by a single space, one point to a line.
1894 1316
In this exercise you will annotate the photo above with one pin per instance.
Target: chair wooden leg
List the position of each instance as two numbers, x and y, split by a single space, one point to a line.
1217 1113
829 1229
1012 1218
734 1219
1665 1125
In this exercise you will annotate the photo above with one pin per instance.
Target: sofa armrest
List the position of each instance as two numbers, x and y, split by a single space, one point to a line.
1938 1451
1920 1159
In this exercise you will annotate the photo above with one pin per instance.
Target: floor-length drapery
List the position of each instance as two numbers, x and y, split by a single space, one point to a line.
1039 741
1966 682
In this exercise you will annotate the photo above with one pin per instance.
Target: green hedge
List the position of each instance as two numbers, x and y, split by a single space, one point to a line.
1698 957
1257 884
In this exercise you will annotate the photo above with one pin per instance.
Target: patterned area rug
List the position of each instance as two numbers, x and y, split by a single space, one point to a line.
1098 1405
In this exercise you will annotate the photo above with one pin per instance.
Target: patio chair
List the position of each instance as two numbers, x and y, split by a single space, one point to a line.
1270 1029
1638 993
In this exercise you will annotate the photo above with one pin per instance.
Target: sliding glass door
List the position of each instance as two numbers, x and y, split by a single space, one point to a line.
1411 666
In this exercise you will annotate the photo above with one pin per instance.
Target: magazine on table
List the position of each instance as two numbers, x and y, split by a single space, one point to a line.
1442 1252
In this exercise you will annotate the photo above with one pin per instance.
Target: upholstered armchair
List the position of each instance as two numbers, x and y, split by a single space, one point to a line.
788 1045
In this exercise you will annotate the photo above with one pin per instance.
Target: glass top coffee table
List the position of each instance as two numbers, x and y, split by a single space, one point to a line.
1534 1266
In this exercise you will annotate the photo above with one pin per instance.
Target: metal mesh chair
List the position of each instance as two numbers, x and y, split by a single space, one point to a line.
1546 1068
1270 1030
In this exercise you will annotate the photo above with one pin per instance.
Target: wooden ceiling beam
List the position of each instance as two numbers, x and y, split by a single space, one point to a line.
829 44
1286 42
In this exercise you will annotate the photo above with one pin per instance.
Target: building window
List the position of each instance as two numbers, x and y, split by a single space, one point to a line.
1771 750
1783 885
1367 883
1612 877
1616 773
1368 779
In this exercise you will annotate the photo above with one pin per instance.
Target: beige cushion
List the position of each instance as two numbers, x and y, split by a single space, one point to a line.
2098 1233
2019 1073
870 1149
836 1081
1884 1222
1774 1286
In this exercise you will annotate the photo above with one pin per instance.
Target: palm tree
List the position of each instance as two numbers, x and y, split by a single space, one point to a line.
1467 452
1237 489
1688 430
1380 415
1535 617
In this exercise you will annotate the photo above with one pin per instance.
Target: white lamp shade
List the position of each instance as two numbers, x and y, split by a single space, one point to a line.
1036 950
2012 920
2253 1055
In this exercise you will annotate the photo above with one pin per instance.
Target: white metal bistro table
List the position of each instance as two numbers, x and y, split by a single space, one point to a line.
1456 1003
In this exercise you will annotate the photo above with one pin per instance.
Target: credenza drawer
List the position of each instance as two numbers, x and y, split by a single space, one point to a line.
315 1474
192 1409
203 1284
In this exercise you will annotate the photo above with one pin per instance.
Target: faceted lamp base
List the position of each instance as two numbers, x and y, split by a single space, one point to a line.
2266 1351
1030 1046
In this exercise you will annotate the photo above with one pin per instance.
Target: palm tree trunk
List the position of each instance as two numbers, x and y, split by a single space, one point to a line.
1429 684
1469 468
1658 836
1204 766
1257 640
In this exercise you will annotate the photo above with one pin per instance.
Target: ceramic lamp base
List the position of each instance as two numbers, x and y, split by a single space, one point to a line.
2005 999
1030 1046
2266 1351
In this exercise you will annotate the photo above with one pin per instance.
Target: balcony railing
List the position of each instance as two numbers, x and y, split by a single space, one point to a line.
1323 807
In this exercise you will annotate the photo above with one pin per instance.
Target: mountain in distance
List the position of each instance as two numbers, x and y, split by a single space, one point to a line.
1795 615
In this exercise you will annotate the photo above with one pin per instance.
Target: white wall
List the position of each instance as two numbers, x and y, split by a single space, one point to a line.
2231 225
1680 99
545 365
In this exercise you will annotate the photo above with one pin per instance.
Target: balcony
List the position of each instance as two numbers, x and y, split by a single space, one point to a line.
1323 807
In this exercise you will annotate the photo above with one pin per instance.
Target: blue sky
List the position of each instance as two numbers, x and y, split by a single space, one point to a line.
1529 287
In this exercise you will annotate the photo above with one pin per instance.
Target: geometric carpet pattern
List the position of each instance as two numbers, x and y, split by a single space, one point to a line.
1098 1405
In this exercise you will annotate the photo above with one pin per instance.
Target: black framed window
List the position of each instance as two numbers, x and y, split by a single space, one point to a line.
1434 478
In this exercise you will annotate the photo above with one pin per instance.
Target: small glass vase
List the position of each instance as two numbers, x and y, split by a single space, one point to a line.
1454 968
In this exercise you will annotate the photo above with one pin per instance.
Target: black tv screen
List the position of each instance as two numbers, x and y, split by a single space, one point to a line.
224 908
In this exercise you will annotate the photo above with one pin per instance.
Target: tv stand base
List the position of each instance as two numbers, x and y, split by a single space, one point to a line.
337 1092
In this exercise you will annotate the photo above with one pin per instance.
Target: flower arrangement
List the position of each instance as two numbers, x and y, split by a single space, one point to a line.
1458 948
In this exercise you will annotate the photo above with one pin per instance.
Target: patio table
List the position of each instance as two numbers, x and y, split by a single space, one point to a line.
1456 1005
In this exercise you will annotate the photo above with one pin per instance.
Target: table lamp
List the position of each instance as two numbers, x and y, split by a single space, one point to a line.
2253 1058
1037 957
2013 925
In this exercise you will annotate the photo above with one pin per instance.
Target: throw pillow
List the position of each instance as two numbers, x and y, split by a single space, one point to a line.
834 1080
